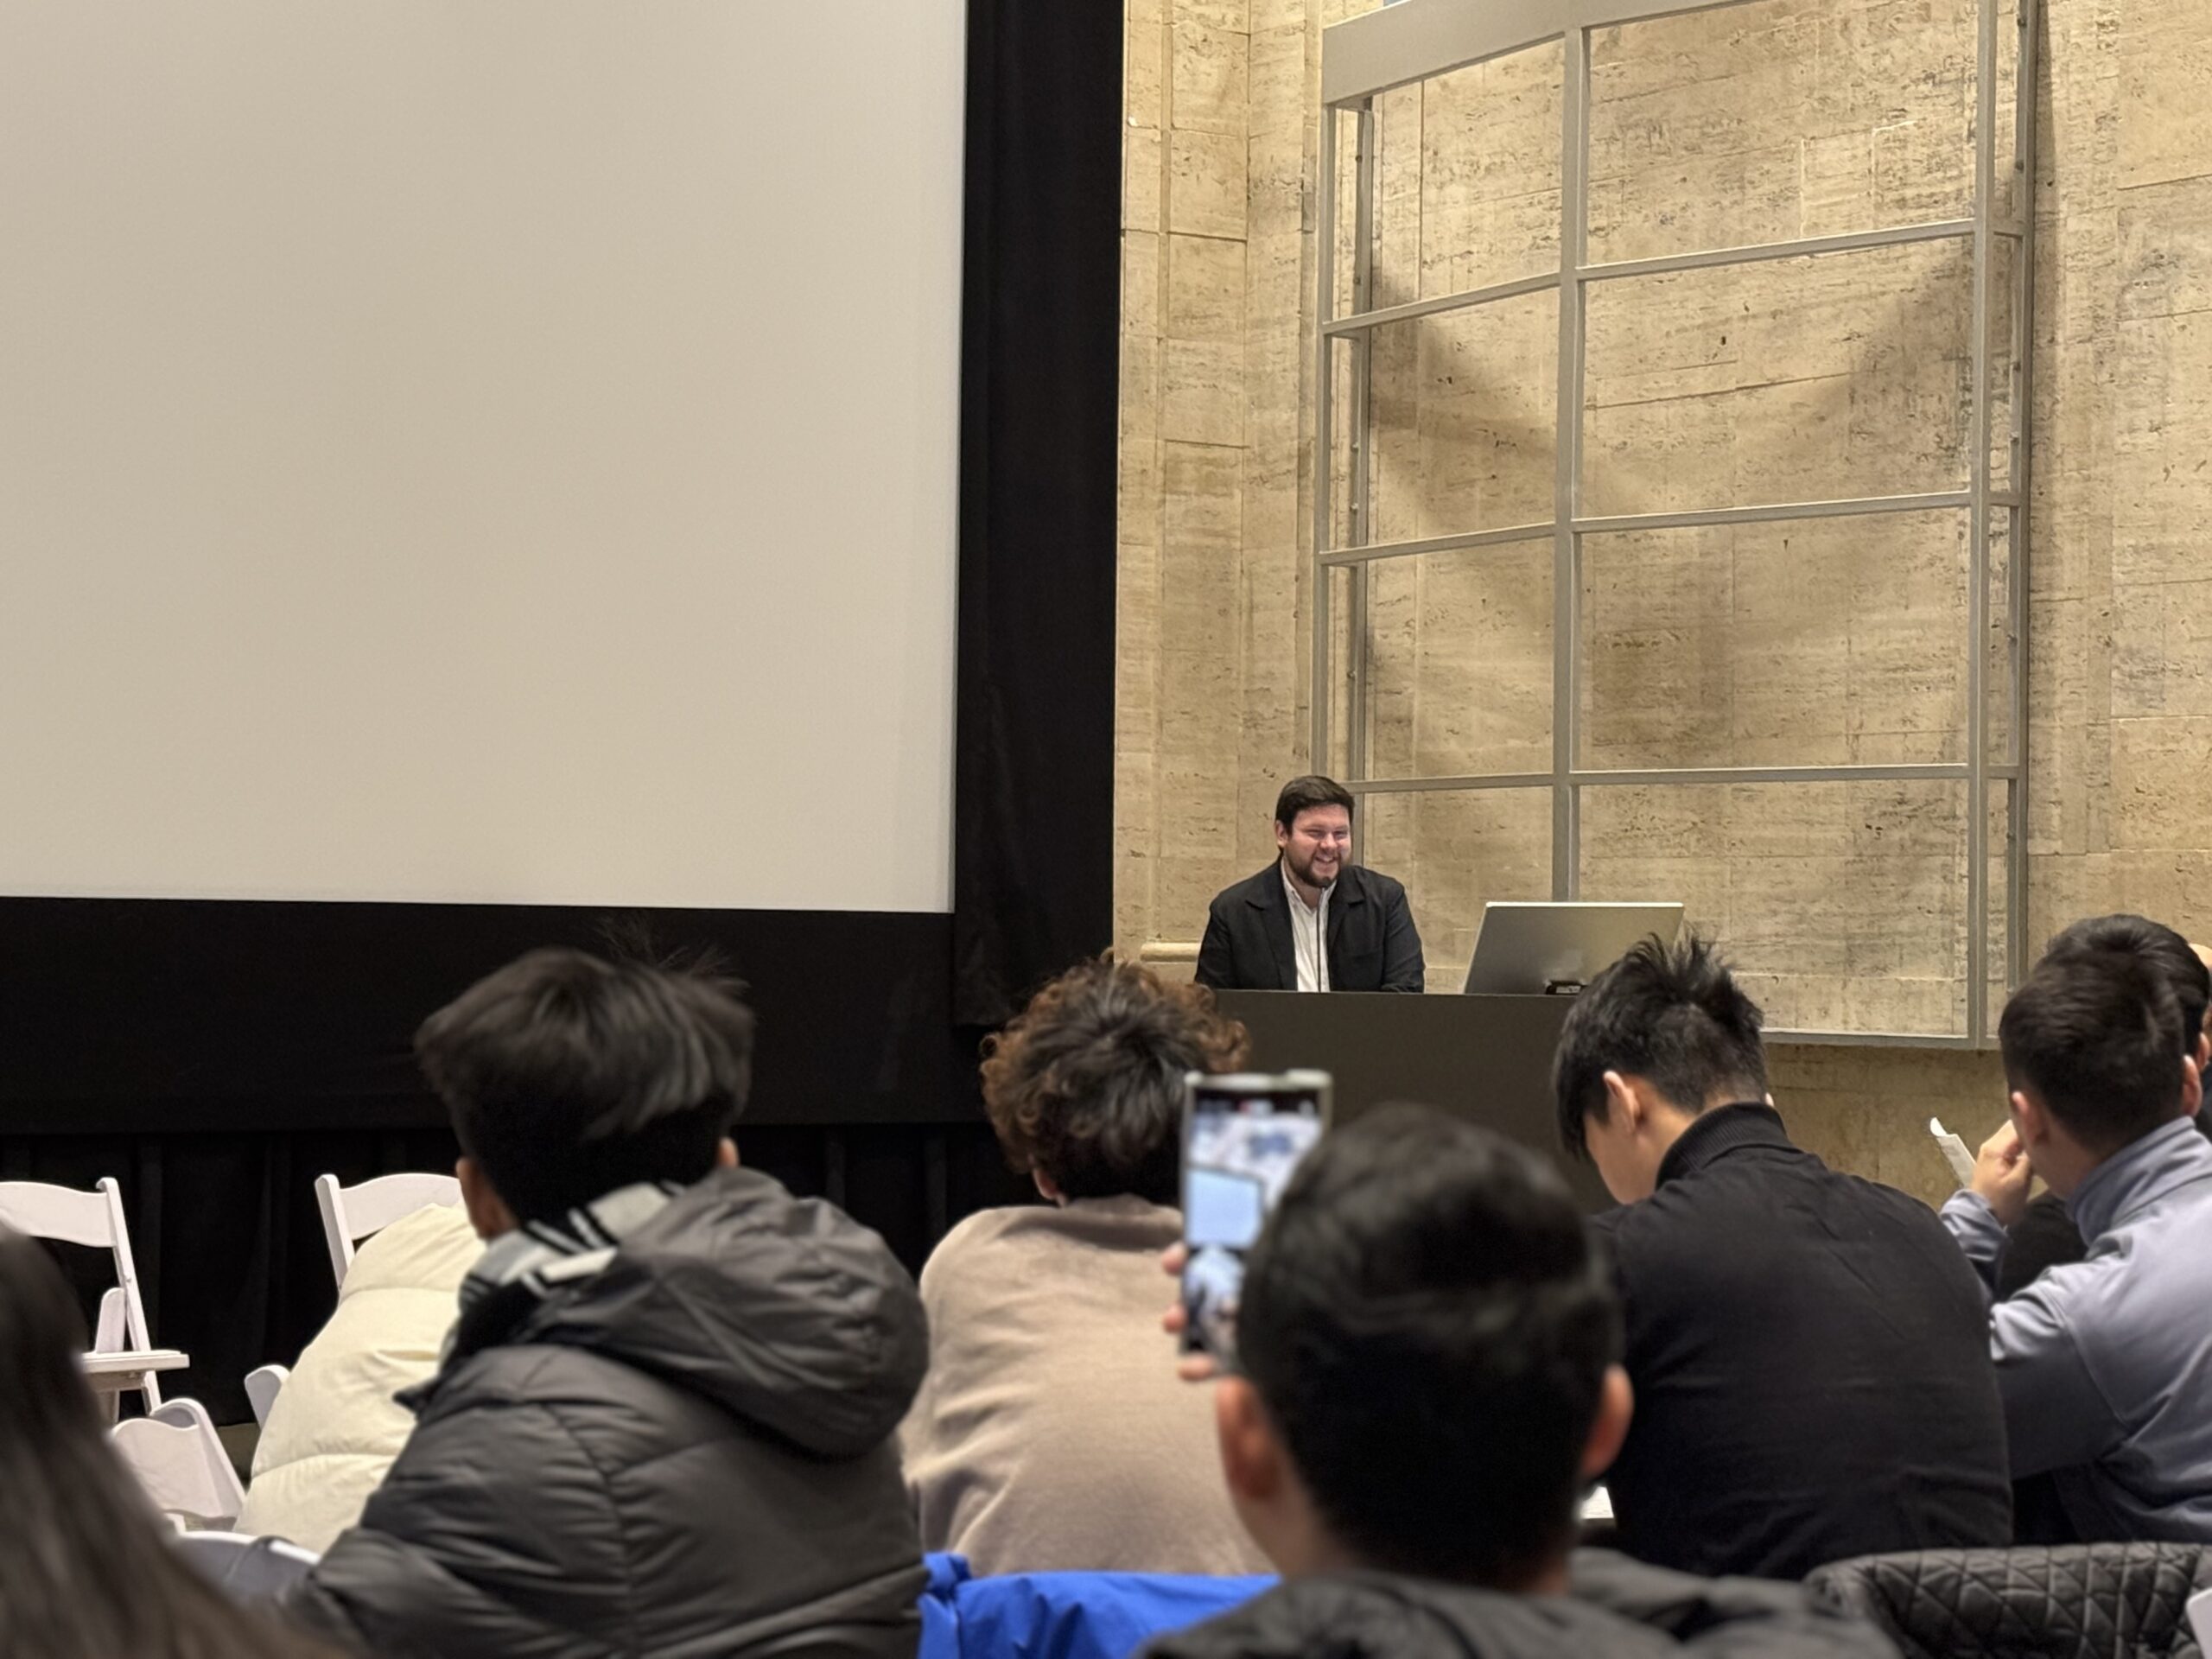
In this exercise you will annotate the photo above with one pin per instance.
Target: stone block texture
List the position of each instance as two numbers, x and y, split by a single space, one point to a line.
1809 643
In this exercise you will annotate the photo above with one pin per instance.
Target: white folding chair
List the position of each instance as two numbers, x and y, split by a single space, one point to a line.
2200 1619
93 1220
180 1460
245 1567
352 1213
263 1384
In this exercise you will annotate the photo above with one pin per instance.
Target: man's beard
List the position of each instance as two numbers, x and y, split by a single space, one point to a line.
1306 875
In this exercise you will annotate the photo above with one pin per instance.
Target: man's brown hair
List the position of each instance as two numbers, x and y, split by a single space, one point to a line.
1086 1085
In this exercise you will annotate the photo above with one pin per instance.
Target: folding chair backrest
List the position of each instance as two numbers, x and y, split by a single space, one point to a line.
180 1460
246 1568
93 1219
352 1213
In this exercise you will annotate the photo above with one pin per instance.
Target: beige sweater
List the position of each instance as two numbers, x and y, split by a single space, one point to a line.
1053 1433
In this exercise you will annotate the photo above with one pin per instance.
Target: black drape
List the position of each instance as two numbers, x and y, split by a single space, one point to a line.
1032 868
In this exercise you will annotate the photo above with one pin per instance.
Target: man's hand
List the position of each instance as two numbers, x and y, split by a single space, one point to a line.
2001 1175
1191 1368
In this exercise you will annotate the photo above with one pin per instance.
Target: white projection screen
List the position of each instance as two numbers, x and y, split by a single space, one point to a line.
480 451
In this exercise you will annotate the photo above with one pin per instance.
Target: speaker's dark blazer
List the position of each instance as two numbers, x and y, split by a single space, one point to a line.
1372 944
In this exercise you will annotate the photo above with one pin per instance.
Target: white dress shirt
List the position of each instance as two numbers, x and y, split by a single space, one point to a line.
1309 935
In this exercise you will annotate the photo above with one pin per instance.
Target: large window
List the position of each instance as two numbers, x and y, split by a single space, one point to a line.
1670 482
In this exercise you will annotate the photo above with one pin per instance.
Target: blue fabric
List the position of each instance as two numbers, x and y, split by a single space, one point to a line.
1064 1615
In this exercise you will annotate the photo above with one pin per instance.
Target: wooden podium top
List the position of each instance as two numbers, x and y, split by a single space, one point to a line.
1487 1058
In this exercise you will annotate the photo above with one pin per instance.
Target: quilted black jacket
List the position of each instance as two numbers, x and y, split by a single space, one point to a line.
2082 1601
688 1454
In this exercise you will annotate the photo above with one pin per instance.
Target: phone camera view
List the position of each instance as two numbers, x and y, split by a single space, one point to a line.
1241 1145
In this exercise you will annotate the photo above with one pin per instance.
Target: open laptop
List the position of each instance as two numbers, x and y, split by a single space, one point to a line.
1525 949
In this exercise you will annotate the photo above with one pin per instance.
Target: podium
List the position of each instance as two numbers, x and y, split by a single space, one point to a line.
1485 1058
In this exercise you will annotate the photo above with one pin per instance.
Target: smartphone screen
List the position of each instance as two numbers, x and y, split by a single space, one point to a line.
1242 1135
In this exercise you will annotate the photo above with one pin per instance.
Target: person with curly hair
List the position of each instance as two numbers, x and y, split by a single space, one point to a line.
1049 1433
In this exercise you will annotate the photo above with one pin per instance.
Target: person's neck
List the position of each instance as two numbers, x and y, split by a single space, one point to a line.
1310 895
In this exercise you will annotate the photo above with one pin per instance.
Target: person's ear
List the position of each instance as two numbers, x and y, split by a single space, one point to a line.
725 1154
1616 1405
1282 834
1623 1104
488 1211
1252 1458
2192 1083
2029 1121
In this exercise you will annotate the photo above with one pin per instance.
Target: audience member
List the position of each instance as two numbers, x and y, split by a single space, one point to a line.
665 1421
2105 1365
86 1569
2045 1236
339 1423
1043 1438
1810 1380
1428 1349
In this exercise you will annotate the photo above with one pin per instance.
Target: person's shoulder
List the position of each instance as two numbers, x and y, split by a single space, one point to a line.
1250 887
986 1234
1387 888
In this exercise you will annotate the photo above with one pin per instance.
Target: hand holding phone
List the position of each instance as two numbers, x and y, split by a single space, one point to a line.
1244 1136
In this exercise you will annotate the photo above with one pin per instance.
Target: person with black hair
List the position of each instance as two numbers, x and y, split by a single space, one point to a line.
1427 1380
665 1421
2045 1237
1043 1438
1809 1377
1313 920
88 1569
2105 1365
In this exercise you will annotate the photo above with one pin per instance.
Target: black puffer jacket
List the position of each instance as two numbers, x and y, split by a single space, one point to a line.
1618 1609
689 1454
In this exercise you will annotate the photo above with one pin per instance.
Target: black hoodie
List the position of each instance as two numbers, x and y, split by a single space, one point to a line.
1616 1609
687 1453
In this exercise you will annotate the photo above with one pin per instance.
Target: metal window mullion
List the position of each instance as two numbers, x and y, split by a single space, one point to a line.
1985 161
1670 778
1776 512
1360 418
1472 541
1362 320
1324 436
2023 293
1567 421
1807 247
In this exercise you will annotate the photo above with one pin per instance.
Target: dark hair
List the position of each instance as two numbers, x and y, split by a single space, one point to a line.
1085 1084
1304 794
1671 1013
568 1077
2092 1035
1429 1326
2160 948
87 1571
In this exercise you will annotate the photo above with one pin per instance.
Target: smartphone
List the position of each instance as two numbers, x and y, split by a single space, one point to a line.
1243 1136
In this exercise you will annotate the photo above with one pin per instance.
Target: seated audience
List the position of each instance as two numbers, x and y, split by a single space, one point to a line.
666 1422
338 1424
86 1567
1044 1437
1809 1383
1430 1379
2045 1236
2105 1365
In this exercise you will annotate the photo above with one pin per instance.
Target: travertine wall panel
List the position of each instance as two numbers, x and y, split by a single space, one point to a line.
1804 643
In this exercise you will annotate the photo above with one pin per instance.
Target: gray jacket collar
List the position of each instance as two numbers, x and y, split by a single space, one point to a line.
2170 1157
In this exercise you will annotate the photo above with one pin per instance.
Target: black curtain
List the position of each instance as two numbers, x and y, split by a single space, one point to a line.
1033 870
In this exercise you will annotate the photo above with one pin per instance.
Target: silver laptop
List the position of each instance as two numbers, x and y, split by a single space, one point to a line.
1524 949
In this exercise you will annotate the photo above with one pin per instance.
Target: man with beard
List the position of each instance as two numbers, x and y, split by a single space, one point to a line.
1313 920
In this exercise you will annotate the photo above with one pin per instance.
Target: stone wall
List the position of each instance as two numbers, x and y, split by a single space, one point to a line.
1812 643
